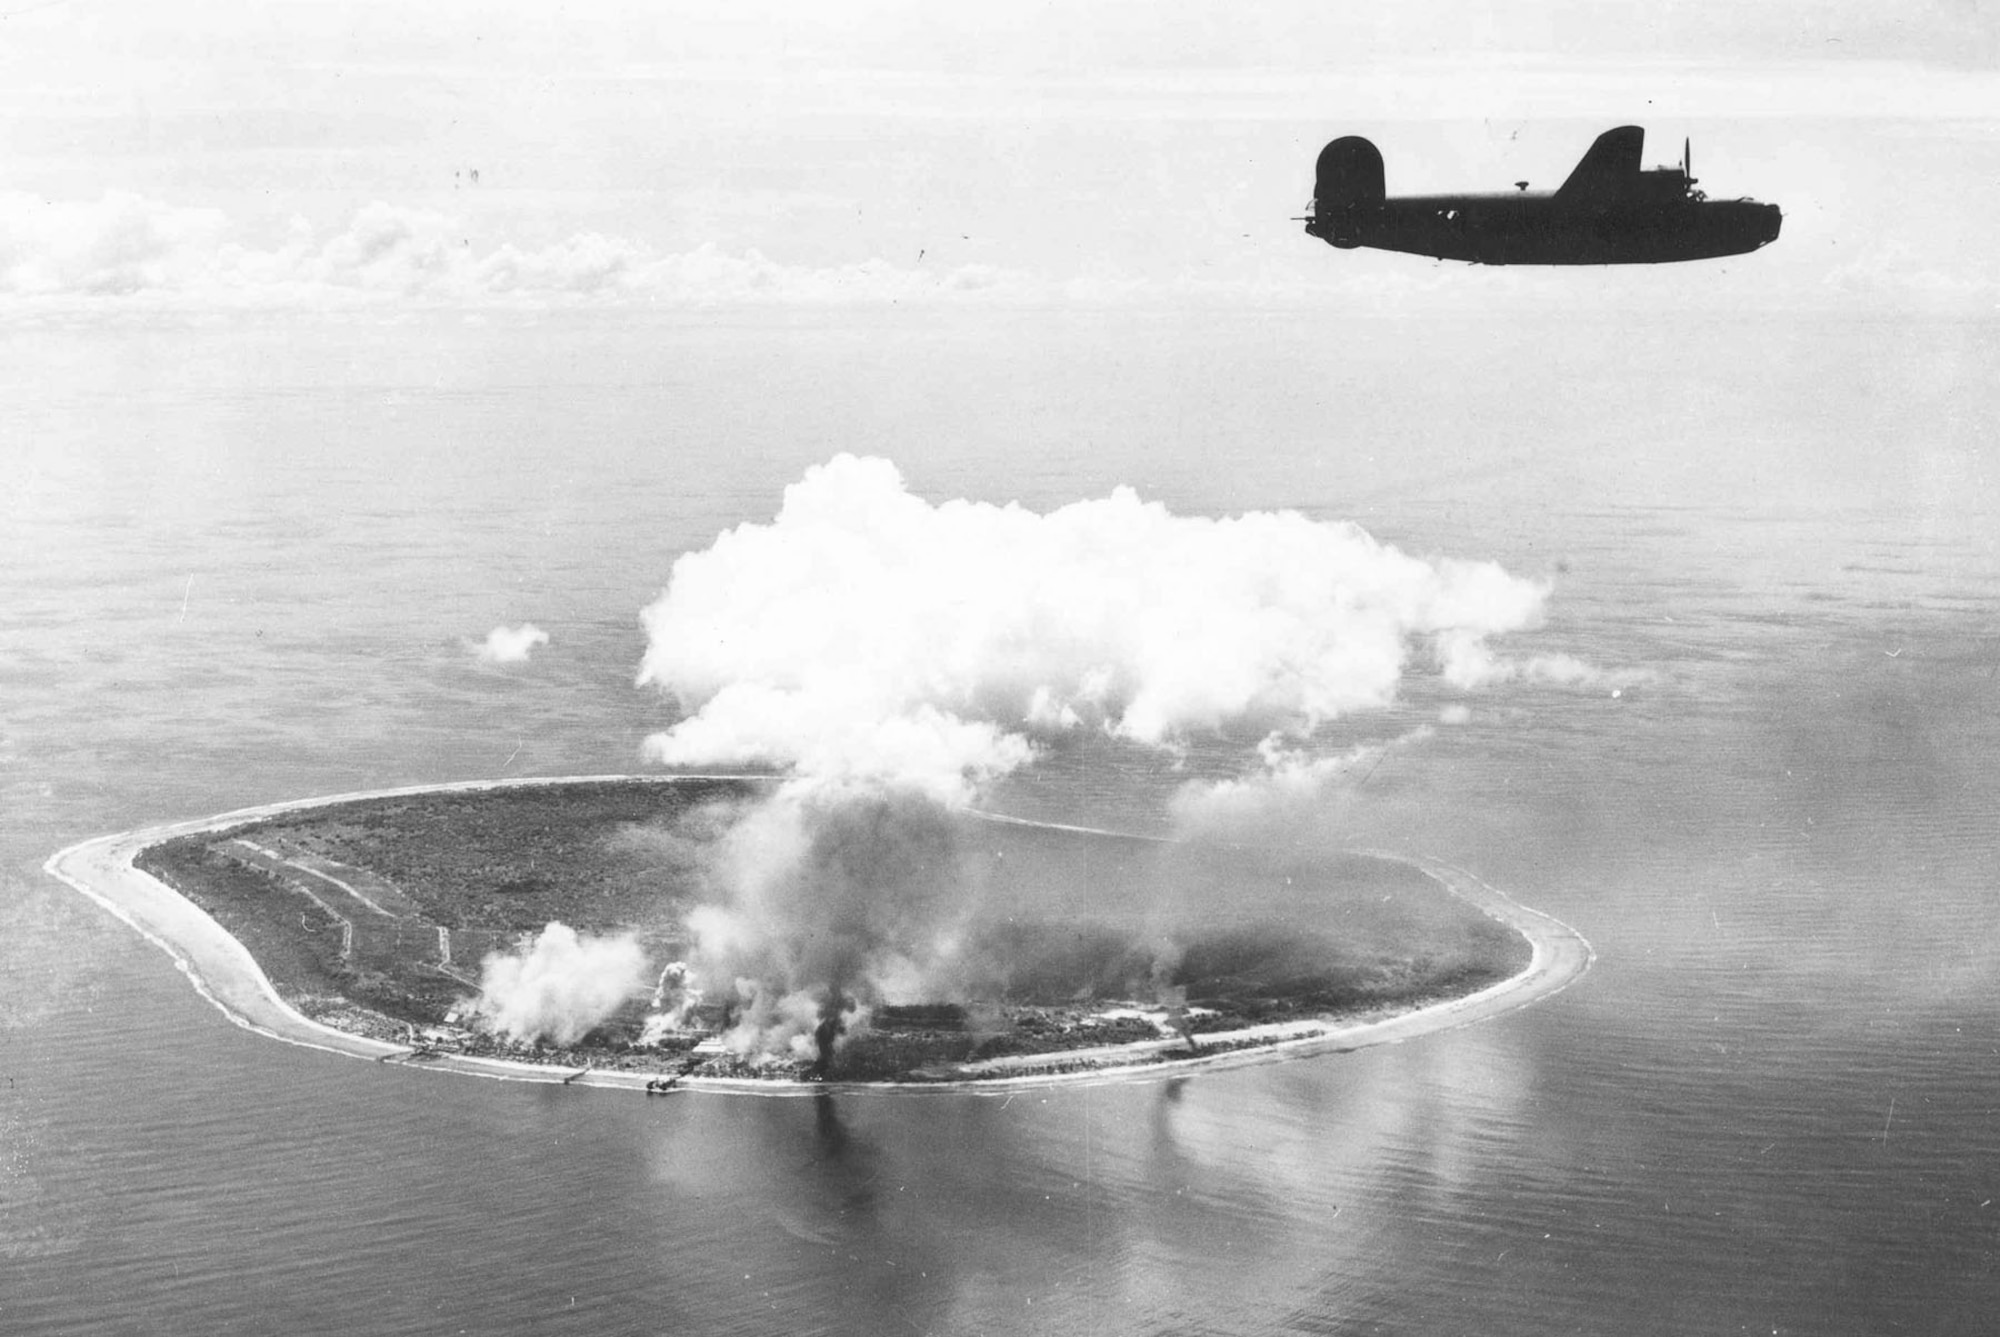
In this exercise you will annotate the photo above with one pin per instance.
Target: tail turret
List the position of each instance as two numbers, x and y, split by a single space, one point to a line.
1347 185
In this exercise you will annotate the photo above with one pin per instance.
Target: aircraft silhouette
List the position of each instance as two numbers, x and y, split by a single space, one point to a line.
1609 212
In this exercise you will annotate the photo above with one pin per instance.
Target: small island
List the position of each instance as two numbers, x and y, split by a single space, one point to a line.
373 921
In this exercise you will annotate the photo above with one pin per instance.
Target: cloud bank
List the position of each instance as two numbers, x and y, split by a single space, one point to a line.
128 246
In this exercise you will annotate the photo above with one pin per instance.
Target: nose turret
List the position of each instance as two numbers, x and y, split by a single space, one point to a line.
1742 225
1769 219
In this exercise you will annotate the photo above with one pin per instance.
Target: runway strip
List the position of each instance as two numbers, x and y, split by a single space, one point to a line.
223 971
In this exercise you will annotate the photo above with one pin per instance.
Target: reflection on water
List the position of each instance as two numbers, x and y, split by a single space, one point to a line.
1769 1106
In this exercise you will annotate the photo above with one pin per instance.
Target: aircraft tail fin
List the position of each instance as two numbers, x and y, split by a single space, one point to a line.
1347 181
1349 174
1609 170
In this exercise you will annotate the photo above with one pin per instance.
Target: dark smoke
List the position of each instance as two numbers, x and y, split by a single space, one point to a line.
826 1035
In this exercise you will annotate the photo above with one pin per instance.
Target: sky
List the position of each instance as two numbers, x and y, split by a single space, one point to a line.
312 153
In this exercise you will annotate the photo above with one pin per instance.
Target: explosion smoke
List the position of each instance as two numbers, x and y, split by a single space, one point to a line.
559 986
844 895
894 656
674 998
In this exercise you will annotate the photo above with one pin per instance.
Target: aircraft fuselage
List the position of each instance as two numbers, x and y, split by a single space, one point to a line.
1534 228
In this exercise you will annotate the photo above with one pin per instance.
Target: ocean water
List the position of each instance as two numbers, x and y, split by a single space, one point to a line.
244 561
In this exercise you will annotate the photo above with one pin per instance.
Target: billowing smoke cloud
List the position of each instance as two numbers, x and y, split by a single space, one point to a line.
866 632
844 895
892 656
558 986
511 645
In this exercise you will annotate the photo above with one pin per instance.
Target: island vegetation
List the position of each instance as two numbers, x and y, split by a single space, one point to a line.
377 916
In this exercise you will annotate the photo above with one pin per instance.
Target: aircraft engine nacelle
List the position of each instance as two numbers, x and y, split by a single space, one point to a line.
1347 184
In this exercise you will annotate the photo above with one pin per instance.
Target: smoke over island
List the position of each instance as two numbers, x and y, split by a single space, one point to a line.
866 634
559 985
890 657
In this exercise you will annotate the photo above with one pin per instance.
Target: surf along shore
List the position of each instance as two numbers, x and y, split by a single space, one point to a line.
223 971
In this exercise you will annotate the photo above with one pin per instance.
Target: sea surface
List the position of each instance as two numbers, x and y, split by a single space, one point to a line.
245 560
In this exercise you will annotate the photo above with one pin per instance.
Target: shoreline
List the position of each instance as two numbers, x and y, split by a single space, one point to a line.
223 971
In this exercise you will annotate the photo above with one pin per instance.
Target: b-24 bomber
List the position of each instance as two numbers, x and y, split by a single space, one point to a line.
1610 211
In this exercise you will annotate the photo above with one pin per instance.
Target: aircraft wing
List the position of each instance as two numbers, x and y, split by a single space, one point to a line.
1609 171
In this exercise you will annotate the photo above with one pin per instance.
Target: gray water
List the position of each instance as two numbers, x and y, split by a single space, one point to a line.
241 563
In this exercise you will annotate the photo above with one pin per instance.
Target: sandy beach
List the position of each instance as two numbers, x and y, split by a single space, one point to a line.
225 973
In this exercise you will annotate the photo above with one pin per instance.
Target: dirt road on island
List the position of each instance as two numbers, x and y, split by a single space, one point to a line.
225 973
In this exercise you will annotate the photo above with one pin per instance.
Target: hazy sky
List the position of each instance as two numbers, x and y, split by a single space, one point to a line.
901 149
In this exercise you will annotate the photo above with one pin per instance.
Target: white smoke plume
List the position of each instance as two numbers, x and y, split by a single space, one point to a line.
1293 786
843 895
1468 663
558 986
892 656
511 645
674 1001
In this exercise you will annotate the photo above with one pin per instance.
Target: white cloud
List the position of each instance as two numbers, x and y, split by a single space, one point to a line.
129 247
116 246
866 632
511 645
